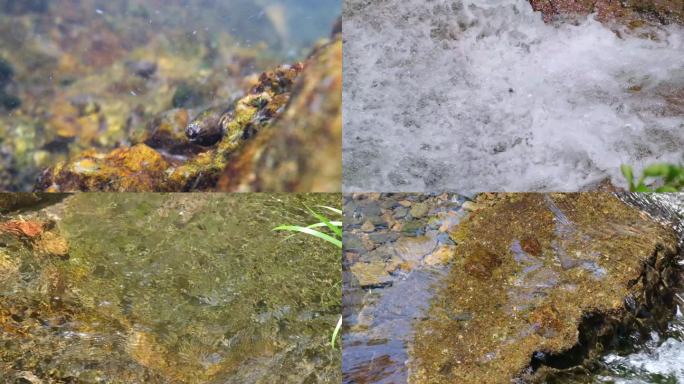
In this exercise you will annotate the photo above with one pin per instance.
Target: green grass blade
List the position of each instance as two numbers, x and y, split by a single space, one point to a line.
337 230
309 231
335 210
317 225
338 327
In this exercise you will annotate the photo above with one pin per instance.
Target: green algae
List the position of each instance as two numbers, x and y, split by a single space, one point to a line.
187 288
544 280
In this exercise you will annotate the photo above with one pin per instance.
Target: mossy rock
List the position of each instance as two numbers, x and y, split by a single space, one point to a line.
551 281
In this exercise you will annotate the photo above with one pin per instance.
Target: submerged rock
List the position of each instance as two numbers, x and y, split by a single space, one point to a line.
285 134
302 151
549 282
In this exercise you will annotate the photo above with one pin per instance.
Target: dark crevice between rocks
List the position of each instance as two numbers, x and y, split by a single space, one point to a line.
650 307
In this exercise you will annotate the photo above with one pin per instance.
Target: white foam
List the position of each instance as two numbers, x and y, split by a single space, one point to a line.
505 101
666 360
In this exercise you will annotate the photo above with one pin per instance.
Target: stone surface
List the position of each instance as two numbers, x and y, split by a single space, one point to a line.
372 274
302 151
548 281
632 12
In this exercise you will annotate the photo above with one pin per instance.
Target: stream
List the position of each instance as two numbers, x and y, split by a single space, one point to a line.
482 95
381 305
167 288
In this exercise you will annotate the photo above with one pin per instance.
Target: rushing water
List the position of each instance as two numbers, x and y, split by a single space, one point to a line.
159 288
475 95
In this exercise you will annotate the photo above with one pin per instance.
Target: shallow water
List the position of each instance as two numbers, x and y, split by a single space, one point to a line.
99 75
475 95
189 288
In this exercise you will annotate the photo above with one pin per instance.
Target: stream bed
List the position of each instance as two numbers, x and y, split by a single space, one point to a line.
168 288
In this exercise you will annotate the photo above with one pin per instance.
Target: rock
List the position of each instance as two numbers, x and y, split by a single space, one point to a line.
400 212
372 274
382 253
23 229
383 237
167 131
150 170
17 201
139 168
368 226
413 249
555 298
413 228
628 12
52 244
419 210
353 243
303 150
443 255
142 68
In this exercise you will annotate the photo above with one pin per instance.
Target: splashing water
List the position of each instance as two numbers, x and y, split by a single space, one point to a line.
483 95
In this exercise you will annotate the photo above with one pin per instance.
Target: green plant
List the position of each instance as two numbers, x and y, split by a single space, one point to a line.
334 237
670 177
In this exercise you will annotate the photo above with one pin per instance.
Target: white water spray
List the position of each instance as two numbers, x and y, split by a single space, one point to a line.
483 95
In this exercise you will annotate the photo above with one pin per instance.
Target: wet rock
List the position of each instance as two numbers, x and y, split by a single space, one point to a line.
530 314
443 255
629 12
353 243
167 132
150 170
413 228
401 212
17 201
419 210
303 150
383 237
52 244
414 249
372 274
368 226
22 228
139 168
142 68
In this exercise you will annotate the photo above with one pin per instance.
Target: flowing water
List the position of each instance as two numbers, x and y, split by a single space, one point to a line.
474 95
191 288
379 318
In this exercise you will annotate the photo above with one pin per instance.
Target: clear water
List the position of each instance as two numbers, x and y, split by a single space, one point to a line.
79 75
166 288
482 95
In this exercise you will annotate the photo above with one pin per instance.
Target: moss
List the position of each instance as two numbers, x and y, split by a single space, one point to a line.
531 268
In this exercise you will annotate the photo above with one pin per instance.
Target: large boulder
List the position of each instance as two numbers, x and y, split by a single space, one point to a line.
542 283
